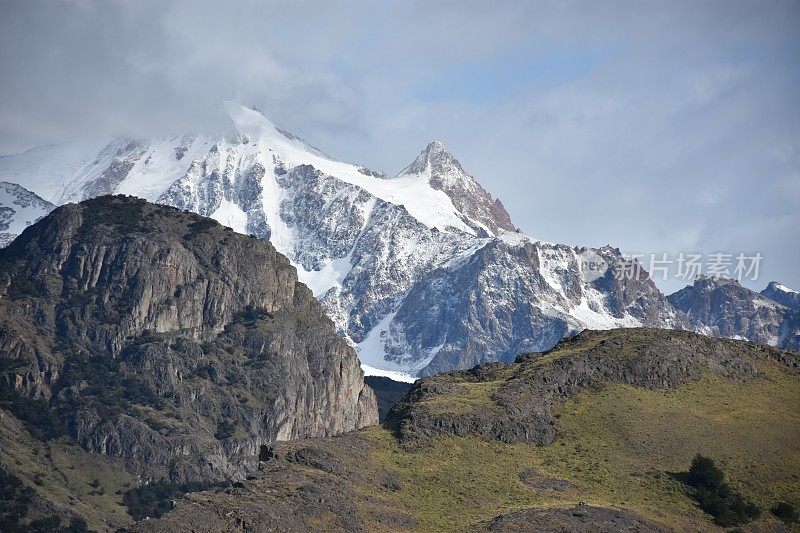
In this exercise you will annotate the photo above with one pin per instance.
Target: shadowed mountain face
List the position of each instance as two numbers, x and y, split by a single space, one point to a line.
168 342
388 392
783 295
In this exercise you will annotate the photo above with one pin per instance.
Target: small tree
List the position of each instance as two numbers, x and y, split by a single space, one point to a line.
716 497
704 473
786 512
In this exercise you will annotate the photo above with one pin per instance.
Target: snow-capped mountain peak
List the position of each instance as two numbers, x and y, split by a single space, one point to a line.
422 272
442 171
436 160
782 294
19 208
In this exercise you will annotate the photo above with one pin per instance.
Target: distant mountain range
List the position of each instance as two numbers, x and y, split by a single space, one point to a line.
422 272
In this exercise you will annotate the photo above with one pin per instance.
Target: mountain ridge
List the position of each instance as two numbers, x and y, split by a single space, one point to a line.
372 247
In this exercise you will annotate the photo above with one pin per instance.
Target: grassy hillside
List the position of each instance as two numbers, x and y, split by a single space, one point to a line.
616 445
69 480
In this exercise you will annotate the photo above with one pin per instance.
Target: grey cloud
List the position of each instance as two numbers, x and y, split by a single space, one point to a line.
682 132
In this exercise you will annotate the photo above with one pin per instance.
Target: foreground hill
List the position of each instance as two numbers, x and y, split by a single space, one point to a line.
166 347
592 435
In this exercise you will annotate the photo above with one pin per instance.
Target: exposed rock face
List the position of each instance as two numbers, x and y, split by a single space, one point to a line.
388 392
484 214
727 309
19 208
169 341
514 403
783 295
516 295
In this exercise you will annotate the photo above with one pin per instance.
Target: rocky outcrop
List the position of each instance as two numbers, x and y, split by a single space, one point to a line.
169 341
484 214
514 403
724 308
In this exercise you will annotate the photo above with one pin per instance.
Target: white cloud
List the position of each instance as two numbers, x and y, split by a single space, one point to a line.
655 125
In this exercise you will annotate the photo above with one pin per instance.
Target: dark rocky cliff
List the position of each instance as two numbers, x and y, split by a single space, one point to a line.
168 341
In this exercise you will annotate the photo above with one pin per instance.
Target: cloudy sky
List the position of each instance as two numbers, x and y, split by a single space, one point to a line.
654 126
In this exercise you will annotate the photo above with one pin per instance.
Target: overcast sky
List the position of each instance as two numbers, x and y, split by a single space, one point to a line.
653 126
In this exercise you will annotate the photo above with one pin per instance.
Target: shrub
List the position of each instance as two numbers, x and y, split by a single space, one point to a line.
704 473
716 497
22 289
155 499
786 512
225 429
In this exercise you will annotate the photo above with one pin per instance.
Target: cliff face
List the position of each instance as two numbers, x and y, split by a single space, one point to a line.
171 342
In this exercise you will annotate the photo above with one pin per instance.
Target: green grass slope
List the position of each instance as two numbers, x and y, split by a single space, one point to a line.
616 445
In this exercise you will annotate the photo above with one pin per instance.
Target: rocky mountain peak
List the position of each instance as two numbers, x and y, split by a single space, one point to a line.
782 294
725 308
19 208
439 160
484 214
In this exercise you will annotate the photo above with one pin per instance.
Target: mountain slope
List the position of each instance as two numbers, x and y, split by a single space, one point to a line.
166 342
783 295
589 437
19 208
422 272
485 215
726 309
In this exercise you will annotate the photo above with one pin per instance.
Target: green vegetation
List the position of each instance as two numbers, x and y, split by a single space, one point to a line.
14 501
155 499
125 214
198 228
21 289
617 446
34 413
62 474
786 512
466 397
225 429
716 497
105 387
